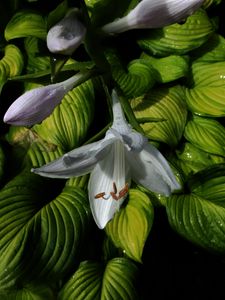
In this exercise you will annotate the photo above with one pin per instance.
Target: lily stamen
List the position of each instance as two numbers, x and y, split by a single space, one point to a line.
100 195
121 156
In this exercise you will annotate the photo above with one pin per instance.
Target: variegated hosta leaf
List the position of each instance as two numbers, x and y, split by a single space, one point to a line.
168 68
13 59
24 24
200 215
41 153
165 104
136 80
208 74
192 159
37 152
28 292
207 95
210 184
206 134
178 38
130 227
212 51
67 126
11 63
93 281
35 61
39 238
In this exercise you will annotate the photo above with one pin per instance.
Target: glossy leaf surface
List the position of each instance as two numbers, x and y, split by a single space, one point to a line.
94 281
168 105
130 227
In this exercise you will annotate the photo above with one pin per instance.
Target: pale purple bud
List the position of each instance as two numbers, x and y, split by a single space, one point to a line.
153 14
37 104
67 35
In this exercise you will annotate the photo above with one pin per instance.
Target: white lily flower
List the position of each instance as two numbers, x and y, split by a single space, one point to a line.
122 155
153 14
67 35
35 105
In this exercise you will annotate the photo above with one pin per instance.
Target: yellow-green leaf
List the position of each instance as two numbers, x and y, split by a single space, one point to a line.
67 126
206 134
24 24
178 38
206 97
135 79
168 68
167 105
212 51
11 64
130 227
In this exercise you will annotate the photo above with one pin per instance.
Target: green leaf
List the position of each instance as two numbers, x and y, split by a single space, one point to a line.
130 227
94 281
192 159
212 51
70 120
178 38
57 14
13 58
24 24
200 215
168 105
2 162
168 68
36 151
36 61
104 11
206 134
29 292
206 96
40 235
210 184
134 80
11 64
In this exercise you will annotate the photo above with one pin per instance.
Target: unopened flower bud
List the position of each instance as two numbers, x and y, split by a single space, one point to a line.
153 14
67 35
37 104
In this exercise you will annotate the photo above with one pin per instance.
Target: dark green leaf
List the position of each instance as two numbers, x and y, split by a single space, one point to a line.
200 215
39 237
93 281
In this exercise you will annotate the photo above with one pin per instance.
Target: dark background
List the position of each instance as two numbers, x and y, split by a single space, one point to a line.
174 268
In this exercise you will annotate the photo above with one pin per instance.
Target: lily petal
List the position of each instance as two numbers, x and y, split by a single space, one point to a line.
150 169
119 121
67 35
133 140
77 162
37 104
154 14
111 175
